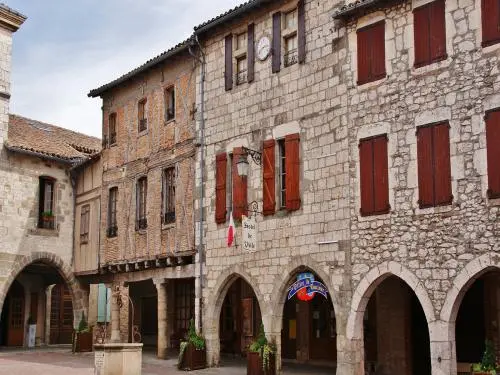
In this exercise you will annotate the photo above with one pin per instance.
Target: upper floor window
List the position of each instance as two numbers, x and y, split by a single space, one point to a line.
240 55
490 10
241 58
141 113
170 103
429 33
141 199
112 129
112 229
84 224
46 217
374 175
282 172
434 167
168 196
493 152
371 53
290 37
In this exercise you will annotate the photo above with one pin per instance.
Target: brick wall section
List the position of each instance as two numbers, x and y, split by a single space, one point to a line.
164 144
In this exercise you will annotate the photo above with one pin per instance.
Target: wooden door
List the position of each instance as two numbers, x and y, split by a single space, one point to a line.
15 330
289 331
322 337
61 315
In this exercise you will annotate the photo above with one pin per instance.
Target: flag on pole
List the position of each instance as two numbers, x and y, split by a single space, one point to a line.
230 231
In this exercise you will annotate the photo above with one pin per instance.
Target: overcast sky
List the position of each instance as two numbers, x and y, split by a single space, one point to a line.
66 48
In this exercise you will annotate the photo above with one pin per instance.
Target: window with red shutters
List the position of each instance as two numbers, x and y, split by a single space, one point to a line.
490 15
434 168
268 177
429 33
239 187
371 53
374 175
493 152
220 188
292 165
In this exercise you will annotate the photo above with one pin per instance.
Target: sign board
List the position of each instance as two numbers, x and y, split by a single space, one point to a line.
306 287
98 362
249 226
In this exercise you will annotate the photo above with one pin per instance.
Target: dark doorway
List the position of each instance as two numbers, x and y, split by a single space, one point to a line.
61 315
14 315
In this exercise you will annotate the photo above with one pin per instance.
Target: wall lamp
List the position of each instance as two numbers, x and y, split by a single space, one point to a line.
242 163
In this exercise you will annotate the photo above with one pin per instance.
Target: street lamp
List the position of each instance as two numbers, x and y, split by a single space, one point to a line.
242 164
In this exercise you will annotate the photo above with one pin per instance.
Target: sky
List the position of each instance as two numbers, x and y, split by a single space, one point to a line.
67 48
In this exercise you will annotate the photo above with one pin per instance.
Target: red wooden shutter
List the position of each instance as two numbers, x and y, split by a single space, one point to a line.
292 167
220 188
251 53
276 63
378 51
301 31
493 153
239 187
421 35
490 14
437 30
366 176
380 175
442 165
363 56
425 167
268 177
228 74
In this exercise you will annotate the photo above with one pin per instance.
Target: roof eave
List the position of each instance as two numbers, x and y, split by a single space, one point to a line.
41 155
359 7
11 19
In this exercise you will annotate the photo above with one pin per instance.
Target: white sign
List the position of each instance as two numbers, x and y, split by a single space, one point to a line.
249 233
98 362
31 335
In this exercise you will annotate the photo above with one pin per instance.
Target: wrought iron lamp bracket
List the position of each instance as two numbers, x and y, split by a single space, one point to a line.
255 155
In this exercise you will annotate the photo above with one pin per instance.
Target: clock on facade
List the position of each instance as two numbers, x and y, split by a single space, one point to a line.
263 48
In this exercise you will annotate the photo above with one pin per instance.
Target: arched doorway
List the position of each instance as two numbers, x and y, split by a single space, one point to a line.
478 319
308 332
240 319
395 331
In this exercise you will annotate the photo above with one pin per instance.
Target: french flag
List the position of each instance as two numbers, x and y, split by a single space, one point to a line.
230 231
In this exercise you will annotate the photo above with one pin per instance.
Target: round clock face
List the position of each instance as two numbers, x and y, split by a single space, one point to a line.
263 48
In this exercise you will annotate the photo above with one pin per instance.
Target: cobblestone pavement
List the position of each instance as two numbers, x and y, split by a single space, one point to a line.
60 361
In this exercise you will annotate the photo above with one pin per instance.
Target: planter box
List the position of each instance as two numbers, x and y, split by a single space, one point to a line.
194 359
84 341
254 365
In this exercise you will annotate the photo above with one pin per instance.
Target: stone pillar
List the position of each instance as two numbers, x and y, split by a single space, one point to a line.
161 287
48 308
443 355
116 303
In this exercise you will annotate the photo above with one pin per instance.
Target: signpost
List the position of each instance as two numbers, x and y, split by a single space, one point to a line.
249 233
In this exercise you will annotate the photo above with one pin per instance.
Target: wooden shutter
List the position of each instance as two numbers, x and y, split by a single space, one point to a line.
228 74
239 187
301 31
493 153
425 167
220 188
421 35
437 31
292 166
276 64
490 14
377 51
251 53
442 166
366 176
363 56
101 303
380 175
268 177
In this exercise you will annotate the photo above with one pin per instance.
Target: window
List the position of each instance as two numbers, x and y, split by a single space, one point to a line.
112 129
112 230
168 196
240 54
103 304
374 175
229 188
429 33
490 10
141 198
371 53
143 121
434 169
170 103
239 187
290 37
46 217
493 152
282 173
84 224
184 305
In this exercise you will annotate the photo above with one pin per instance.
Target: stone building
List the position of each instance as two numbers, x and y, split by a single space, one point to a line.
370 132
147 248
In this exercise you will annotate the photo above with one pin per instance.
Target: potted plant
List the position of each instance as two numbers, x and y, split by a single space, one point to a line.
48 219
261 357
82 337
488 365
192 353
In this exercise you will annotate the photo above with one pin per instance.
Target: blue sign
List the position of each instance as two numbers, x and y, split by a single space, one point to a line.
306 287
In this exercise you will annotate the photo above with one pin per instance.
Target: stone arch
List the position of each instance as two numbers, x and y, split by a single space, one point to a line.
80 303
370 282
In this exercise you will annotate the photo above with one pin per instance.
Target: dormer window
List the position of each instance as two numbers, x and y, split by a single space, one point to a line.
141 112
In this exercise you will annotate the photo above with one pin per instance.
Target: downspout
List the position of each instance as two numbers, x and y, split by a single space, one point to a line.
201 254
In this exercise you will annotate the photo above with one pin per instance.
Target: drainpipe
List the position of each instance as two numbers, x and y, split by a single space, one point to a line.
202 61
